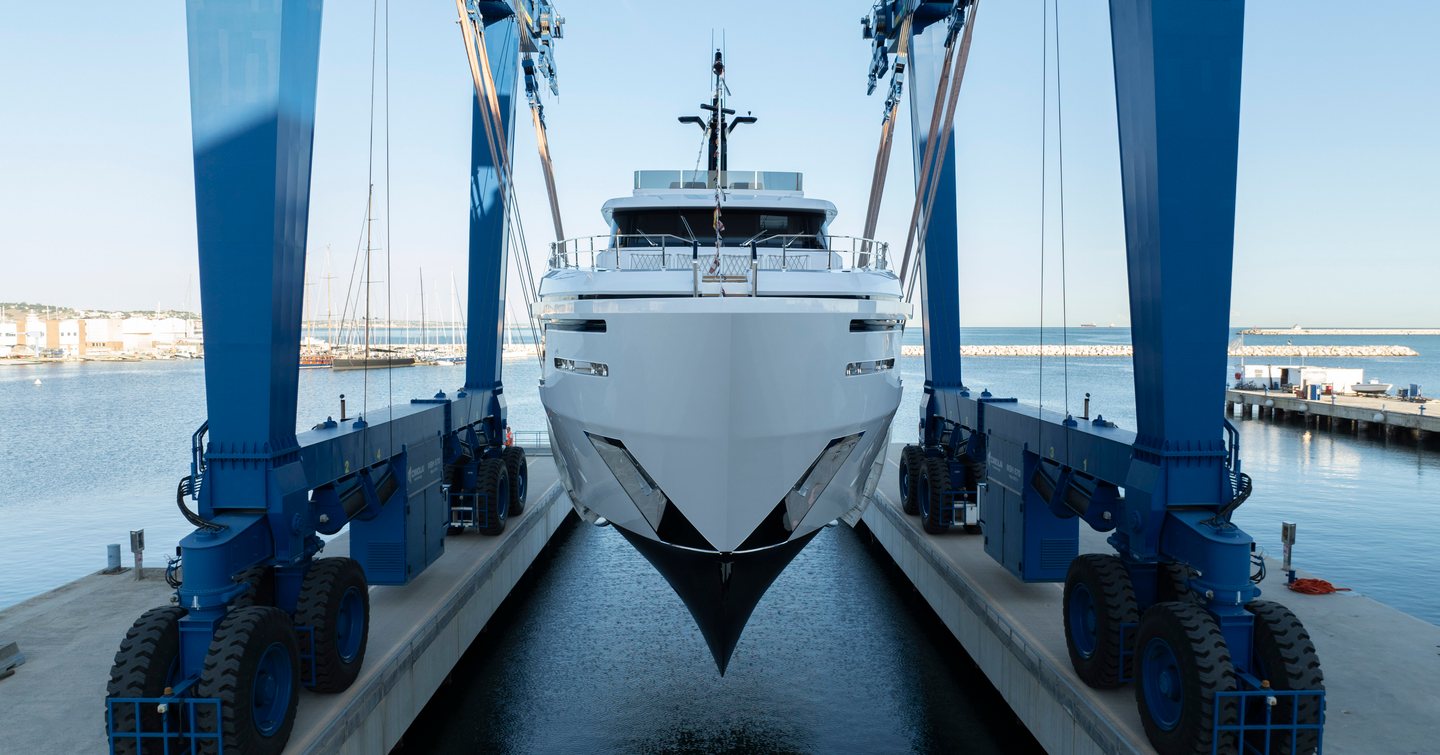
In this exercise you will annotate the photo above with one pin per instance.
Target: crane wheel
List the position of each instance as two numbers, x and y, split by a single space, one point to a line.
1181 662
262 587
148 661
934 495
519 472
493 485
912 460
253 669
1172 582
335 603
1284 655
1098 599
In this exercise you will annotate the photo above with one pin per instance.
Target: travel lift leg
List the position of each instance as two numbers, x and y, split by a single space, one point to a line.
257 615
1175 608
480 461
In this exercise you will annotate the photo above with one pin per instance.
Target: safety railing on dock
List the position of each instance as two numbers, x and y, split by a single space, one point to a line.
662 251
535 442
170 724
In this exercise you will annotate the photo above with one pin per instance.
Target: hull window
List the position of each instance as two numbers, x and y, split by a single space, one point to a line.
579 326
876 326
581 367
868 368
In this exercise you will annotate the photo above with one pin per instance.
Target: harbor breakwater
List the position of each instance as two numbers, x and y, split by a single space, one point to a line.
1126 350
1340 332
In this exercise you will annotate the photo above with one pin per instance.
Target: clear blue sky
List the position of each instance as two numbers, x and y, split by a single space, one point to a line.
1339 180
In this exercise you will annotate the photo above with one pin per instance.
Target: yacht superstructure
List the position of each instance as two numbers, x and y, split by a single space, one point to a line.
719 375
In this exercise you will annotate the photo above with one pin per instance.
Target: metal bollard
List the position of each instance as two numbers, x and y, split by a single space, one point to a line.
112 558
137 546
1287 540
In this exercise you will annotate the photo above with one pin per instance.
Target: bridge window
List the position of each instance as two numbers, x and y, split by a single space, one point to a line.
768 228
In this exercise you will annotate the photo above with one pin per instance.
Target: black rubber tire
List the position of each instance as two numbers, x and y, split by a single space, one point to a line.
229 675
262 583
519 471
321 593
1204 666
1172 582
492 484
936 478
912 463
1287 655
1112 595
142 669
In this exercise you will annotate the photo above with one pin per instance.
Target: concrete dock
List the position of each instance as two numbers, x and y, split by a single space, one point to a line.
1382 667
1388 416
55 702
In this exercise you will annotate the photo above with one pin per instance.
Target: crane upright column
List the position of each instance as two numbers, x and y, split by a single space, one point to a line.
252 101
489 223
940 264
1175 609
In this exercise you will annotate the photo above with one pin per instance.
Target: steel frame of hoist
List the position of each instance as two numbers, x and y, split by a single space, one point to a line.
1037 474
266 493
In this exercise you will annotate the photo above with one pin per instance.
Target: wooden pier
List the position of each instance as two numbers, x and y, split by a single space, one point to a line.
1386 416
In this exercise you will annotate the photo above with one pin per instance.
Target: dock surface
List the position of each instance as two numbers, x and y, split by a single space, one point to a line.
1353 412
1382 666
55 702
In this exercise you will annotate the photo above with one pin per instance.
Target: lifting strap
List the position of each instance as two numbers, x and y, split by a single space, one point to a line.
887 132
489 108
935 155
542 142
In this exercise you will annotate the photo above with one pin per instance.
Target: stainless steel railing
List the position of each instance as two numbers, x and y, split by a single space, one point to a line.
658 252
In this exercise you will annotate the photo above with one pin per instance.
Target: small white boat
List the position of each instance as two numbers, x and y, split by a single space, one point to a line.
1372 388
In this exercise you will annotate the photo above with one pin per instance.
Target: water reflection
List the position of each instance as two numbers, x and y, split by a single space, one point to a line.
594 653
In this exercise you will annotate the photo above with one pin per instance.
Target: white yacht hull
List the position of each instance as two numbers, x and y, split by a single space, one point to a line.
725 404
720 434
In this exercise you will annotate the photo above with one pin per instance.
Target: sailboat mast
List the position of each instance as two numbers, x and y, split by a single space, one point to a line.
369 221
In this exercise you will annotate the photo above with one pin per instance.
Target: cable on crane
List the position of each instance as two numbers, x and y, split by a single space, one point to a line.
1046 7
1044 187
389 250
489 108
917 221
1060 163
887 132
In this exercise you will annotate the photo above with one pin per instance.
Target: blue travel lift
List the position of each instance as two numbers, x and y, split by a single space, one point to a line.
257 614
1175 608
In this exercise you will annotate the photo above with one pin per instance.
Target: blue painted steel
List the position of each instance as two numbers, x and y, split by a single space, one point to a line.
264 490
940 264
1267 735
271 689
350 624
186 736
488 224
1160 676
1082 619
1177 80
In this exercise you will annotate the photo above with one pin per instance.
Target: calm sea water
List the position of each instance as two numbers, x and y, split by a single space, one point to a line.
96 450
599 655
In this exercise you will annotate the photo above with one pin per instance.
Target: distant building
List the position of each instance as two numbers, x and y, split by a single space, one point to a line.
9 337
30 336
